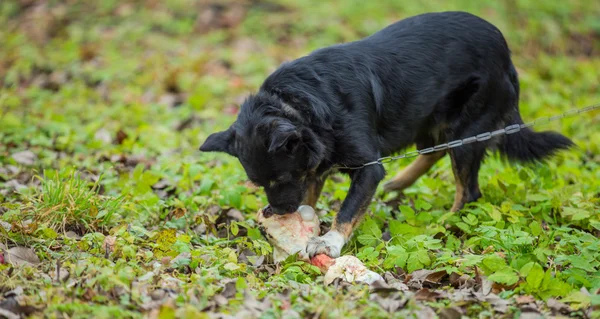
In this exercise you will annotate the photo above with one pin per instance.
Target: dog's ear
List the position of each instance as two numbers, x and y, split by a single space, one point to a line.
315 148
284 136
220 142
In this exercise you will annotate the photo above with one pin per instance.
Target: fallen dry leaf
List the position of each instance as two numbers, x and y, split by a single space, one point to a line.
19 256
394 282
60 275
72 235
486 286
524 299
109 243
103 135
429 295
451 313
6 226
470 295
425 278
8 314
557 306
24 158
120 137
425 313
12 304
461 281
236 215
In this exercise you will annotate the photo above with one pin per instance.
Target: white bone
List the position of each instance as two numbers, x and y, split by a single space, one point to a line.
307 212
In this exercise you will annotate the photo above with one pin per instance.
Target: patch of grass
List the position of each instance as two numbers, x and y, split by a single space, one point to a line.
65 201
128 90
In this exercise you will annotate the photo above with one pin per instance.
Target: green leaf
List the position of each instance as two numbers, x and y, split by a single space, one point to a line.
231 266
464 227
423 256
240 284
536 228
575 213
581 263
505 275
493 263
422 205
206 185
413 262
535 277
370 227
398 228
495 214
250 202
470 219
537 197
452 243
367 239
234 228
254 233
409 213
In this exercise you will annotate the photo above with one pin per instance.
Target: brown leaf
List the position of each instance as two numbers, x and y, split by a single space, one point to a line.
12 305
19 256
162 184
236 215
470 295
420 278
557 306
486 286
229 290
60 272
429 295
120 137
426 313
109 243
254 306
8 314
387 296
179 212
451 313
461 281
524 299
394 282
530 315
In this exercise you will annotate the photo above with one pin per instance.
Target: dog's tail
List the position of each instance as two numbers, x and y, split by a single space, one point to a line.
527 145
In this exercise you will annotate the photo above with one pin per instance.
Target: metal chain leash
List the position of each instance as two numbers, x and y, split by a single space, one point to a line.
511 129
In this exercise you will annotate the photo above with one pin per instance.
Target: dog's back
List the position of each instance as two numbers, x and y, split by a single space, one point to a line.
400 76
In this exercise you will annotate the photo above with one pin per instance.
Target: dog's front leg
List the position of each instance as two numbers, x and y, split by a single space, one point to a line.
362 188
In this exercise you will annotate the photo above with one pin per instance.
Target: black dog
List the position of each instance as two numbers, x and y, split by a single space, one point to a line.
427 79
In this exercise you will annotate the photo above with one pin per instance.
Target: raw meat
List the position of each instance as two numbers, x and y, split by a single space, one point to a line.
289 234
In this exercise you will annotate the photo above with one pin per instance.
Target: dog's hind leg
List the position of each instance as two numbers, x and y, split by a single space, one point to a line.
412 172
465 165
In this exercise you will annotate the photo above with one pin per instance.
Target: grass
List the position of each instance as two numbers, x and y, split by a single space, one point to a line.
128 90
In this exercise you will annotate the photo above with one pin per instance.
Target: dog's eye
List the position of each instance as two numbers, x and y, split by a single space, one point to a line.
272 183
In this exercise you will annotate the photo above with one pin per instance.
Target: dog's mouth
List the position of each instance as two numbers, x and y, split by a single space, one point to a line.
269 210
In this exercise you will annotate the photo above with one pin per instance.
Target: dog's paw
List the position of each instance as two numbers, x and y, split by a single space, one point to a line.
330 244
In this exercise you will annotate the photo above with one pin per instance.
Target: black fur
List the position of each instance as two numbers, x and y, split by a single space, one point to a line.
427 79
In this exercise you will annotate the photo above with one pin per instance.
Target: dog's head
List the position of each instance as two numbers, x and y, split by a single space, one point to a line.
277 153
